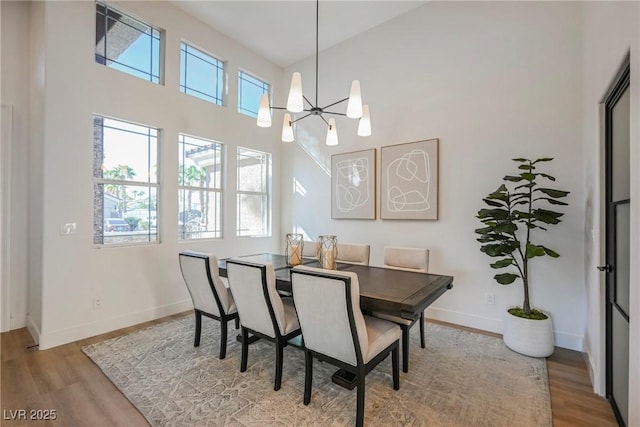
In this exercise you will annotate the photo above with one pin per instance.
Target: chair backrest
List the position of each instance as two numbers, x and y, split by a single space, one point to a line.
311 249
410 259
328 307
351 253
254 290
207 290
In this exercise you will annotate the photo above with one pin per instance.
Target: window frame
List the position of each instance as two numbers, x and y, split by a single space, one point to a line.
151 186
266 194
220 64
155 33
219 191
268 85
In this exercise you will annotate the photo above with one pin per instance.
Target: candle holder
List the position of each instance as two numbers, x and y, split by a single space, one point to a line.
293 250
328 251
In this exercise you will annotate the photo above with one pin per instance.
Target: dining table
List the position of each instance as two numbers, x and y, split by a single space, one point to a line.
384 290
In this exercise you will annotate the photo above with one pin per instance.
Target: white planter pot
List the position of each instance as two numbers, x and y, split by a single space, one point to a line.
527 336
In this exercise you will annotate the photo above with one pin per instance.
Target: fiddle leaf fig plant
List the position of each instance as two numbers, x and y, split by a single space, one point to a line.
517 210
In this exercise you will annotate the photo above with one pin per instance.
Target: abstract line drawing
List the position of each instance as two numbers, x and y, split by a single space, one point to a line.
409 181
411 173
353 185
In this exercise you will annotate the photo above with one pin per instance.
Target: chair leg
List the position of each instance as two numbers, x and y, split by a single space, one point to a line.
223 338
245 349
405 348
308 376
198 314
422 330
360 400
395 367
279 357
237 323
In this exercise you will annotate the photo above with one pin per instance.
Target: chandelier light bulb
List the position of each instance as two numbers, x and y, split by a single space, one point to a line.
364 125
354 106
287 129
332 134
264 113
295 103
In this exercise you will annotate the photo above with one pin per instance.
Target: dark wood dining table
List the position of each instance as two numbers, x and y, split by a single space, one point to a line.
397 292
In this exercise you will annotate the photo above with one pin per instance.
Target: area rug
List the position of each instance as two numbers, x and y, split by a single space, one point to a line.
459 379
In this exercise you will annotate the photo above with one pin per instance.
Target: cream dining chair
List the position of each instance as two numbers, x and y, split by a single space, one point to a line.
209 295
408 259
353 253
311 249
328 300
262 311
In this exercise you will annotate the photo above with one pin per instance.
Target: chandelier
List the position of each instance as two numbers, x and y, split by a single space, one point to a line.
296 104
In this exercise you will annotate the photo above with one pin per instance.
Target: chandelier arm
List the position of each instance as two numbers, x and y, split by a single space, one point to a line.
335 114
336 103
278 108
308 102
300 118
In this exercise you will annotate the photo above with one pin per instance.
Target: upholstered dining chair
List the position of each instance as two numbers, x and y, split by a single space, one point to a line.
328 300
353 253
210 296
262 311
311 249
408 259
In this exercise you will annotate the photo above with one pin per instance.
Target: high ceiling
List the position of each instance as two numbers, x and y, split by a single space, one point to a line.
284 31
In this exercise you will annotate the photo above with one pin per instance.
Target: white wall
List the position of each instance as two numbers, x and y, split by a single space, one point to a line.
135 283
610 31
15 86
492 85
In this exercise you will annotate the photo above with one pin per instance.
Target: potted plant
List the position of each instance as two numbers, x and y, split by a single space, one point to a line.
517 209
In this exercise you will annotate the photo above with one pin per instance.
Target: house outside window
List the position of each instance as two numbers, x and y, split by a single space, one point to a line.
250 89
253 193
127 44
125 182
200 172
201 75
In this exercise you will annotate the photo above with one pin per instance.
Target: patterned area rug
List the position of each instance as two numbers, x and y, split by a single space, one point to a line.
460 379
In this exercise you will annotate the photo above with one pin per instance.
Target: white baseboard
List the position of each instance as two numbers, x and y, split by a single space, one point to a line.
56 338
570 341
18 322
562 339
33 329
465 319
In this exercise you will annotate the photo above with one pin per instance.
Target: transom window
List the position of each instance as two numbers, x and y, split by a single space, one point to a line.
253 193
201 74
125 182
250 89
126 44
199 188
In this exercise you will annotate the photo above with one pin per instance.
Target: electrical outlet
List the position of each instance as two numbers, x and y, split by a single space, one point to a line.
68 228
490 299
97 303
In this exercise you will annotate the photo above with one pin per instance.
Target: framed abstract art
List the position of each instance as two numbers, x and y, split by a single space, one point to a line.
409 180
353 185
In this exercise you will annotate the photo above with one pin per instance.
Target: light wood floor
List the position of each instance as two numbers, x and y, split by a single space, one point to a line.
65 380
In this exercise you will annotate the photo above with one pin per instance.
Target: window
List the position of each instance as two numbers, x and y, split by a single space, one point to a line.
199 188
201 75
125 182
250 89
254 182
126 44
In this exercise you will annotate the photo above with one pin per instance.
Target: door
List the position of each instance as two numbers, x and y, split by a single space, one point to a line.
617 125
